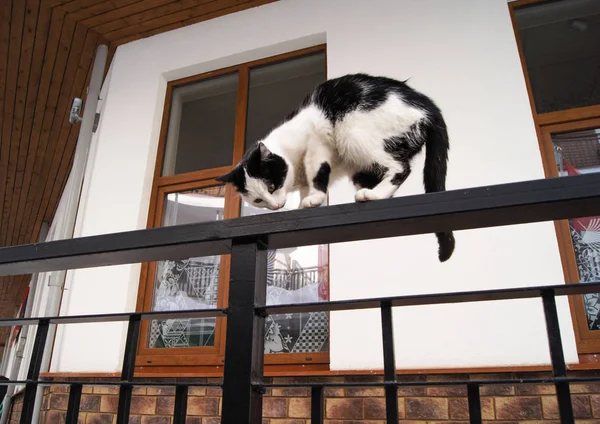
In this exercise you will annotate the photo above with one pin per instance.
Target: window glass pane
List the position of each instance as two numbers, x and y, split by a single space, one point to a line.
296 275
191 283
276 90
201 125
579 153
560 42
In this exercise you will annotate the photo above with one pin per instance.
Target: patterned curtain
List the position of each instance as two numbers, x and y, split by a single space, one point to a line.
193 284
585 234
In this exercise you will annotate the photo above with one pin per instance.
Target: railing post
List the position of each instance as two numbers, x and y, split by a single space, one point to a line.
474 403
126 389
559 368
244 349
33 373
389 363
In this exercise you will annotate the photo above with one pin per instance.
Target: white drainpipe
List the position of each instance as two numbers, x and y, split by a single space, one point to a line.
66 230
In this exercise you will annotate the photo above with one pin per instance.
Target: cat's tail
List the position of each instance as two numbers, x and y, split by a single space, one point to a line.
434 175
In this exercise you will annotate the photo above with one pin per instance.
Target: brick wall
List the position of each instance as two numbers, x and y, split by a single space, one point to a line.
506 404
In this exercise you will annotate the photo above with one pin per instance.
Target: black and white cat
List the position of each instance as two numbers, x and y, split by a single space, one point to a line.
368 128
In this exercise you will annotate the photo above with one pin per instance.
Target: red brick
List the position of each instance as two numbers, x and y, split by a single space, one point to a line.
364 392
349 408
427 408
286 421
195 391
458 408
99 418
162 391
212 420
135 419
593 388
143 405
165 405
518 408
375 408
90 403
214 391
446 391
366 422
109 403
203 406
299 408
155 419
497 390
581 407
59 401
193 420
274 407
55 417
106 390
595 401
290 391
535 389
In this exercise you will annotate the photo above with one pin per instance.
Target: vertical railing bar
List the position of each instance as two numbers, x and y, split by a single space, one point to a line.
181 400
317 414
126 388
559 367
244 341
389 363
33 373
74 402
474 403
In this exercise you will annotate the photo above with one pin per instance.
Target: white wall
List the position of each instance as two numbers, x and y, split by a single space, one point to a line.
462 53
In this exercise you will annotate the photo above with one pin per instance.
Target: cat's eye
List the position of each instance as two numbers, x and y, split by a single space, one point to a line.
257 200
271 188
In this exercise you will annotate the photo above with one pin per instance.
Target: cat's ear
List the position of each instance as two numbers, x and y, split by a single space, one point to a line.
264 152
227 178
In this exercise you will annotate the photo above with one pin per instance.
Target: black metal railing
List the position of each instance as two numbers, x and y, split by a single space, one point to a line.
247 240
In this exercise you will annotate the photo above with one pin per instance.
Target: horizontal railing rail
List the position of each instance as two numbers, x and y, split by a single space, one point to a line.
505 204
247 240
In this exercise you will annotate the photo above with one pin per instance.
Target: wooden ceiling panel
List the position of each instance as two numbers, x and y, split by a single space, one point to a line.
125 8
8 165
41 32
47 48
21 144
176 18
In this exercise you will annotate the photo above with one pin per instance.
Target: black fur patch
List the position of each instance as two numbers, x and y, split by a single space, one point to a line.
370 177
403 148
339 96
321 180
272 169
400 177
235 177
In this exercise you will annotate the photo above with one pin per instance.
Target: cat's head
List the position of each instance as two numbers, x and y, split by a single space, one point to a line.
262 178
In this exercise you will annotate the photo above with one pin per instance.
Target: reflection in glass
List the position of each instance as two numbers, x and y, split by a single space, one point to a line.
560 42
276 90
201 125
296 275
579 153
191 283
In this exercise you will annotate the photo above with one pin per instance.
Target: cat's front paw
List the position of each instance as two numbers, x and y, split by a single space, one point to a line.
365 194
313 200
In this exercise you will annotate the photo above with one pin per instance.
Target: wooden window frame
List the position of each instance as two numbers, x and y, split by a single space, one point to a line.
208 360
546 124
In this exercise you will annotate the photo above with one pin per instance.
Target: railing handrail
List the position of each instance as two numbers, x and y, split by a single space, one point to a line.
247 240
504 204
